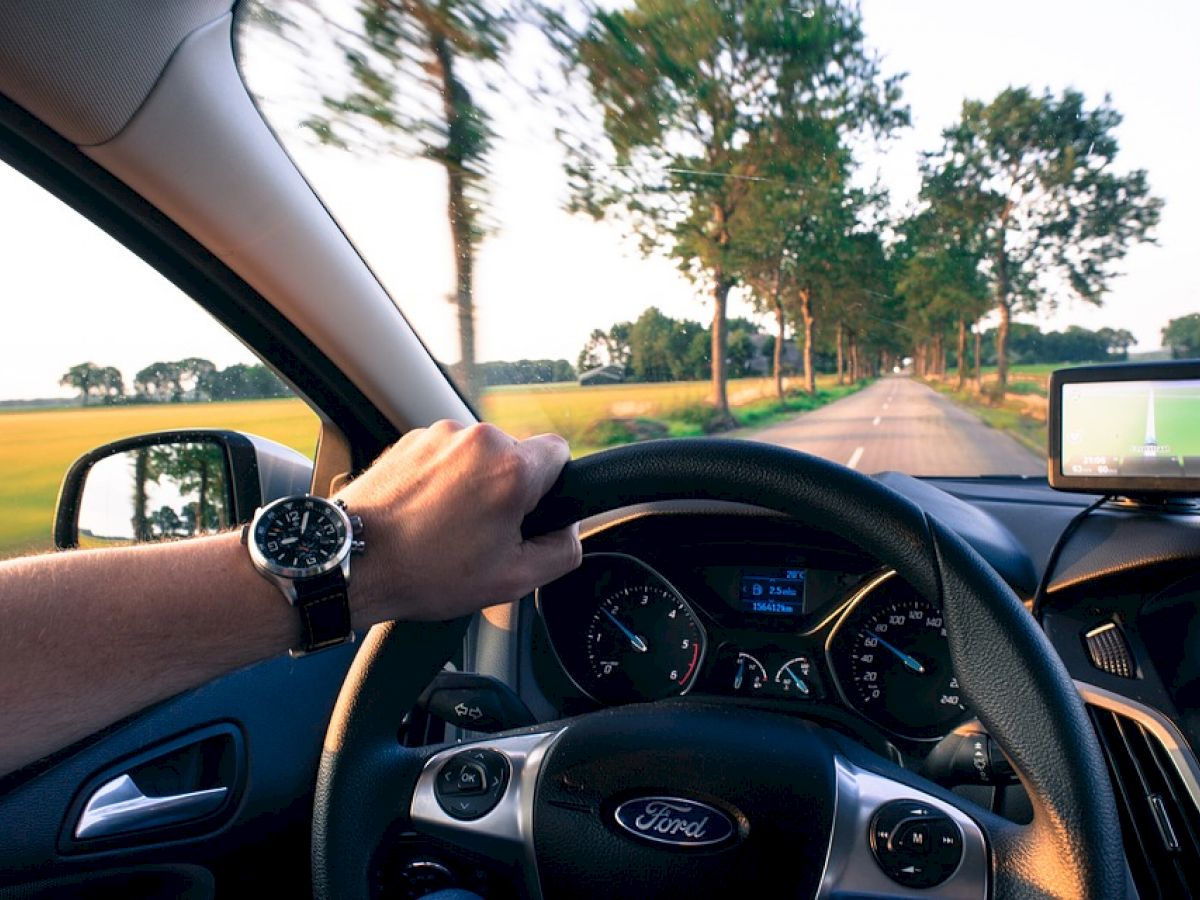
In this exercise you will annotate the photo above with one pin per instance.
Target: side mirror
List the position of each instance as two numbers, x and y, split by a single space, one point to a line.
173 484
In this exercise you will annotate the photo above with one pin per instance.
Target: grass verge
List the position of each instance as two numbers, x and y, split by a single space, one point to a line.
1009 416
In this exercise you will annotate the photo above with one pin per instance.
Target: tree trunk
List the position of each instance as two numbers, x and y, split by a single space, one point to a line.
779 346
806 316
202 525
1002 352
141 474
978 356
852 352
1005 310
962 353
456 108
841 361
720 397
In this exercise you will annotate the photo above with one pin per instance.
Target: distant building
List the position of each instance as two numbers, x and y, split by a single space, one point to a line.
763 360
611 374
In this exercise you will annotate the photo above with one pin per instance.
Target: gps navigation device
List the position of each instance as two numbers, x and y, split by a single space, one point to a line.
1128 429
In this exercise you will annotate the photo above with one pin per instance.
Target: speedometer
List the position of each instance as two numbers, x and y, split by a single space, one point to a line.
892 662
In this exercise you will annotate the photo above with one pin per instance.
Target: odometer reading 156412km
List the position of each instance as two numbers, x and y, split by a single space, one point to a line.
643 642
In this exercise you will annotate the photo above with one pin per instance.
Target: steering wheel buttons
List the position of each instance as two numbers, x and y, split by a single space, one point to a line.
915 845
471 783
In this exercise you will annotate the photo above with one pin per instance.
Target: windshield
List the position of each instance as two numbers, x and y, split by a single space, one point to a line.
864 231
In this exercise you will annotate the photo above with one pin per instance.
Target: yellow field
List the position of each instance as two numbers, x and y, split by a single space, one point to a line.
36 448
570 410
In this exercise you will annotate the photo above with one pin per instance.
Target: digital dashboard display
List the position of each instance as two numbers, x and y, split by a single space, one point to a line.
1131 429
773 591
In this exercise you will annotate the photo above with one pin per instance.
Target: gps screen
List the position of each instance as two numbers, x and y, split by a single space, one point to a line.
1131 429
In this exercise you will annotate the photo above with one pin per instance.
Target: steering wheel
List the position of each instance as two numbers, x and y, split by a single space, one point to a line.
688 799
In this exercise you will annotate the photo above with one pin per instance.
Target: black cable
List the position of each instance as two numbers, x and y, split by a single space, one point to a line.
1039 597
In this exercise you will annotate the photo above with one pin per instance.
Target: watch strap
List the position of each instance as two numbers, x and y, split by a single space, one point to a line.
324 607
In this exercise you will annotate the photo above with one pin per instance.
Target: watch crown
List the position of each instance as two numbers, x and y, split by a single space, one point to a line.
340 503
358 546
356 524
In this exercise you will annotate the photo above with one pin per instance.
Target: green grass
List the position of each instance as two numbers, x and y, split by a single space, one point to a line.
595 417
37 448
1009 416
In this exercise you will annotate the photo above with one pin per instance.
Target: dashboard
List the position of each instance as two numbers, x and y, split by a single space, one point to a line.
699 602
790 625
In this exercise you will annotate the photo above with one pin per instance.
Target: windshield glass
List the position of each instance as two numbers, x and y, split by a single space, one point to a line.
867 231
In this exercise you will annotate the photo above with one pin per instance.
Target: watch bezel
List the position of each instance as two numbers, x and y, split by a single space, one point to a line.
266 565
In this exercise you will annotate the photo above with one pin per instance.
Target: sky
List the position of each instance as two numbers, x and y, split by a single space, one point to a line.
546 278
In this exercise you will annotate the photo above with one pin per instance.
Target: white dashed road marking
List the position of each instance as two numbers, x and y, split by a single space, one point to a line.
855 456
877 420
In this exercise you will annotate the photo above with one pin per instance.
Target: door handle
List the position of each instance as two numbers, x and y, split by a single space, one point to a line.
120 806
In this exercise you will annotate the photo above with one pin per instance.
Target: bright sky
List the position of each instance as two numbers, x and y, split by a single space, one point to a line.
545 278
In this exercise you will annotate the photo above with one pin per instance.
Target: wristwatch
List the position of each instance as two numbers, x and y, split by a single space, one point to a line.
303 544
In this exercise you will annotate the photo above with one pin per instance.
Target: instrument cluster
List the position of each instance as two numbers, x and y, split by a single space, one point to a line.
790 634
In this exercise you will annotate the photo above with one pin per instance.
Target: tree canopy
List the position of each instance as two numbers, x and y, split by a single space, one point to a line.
1035 172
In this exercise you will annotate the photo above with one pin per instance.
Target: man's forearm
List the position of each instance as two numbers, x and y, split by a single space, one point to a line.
93 636
89 637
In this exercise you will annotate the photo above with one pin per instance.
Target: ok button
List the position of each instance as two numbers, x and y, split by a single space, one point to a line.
472 778
462 777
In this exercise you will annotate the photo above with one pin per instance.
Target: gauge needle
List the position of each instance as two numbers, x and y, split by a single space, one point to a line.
638 644
900 654
799 681
737 679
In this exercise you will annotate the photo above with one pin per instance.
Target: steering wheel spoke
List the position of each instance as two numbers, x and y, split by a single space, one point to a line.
892 839
463 798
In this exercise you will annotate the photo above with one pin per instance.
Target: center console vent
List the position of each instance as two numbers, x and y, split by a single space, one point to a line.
1160 816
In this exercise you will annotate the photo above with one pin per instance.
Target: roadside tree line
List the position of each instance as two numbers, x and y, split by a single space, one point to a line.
727 136
185 380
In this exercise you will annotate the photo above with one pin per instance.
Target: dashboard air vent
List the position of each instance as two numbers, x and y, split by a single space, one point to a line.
1108 650
1160 820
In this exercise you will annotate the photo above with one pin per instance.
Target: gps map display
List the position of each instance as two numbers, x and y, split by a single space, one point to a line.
1139 429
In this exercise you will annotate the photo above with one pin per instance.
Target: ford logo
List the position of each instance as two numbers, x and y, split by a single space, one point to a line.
674 821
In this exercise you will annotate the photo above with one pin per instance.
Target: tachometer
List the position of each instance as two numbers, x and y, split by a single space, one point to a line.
621 631
643 641
892 662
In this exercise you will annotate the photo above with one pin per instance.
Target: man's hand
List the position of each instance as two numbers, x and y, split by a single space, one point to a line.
443 510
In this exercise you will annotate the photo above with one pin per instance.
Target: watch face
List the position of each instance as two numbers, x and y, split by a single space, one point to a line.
301 534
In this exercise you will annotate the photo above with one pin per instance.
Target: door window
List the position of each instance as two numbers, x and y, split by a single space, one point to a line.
96 346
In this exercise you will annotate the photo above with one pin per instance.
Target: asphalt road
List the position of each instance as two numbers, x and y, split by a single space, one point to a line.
900 424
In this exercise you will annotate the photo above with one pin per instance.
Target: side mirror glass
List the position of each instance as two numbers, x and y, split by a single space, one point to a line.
157 492
171 485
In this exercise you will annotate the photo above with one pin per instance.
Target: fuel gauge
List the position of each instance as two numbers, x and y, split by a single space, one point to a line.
795 677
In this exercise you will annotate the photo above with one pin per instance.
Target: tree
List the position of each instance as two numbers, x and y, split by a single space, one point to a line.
414 69
940 277
159 382
195 376
1182 336
111 385
1036 171
606 348
86 377
681 90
